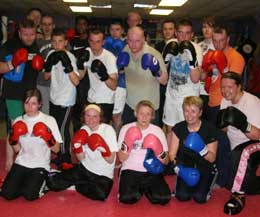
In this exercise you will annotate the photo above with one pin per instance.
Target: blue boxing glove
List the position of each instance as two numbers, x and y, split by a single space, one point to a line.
121 80
122 60
16 74
108 43
196 143
117 46
151 63
189 175
152 164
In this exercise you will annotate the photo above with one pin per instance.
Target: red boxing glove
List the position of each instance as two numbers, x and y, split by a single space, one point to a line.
219 58
40 129
37 62
79 139
97 142
207 61
70 34
19 128
132 134
151 141
20 56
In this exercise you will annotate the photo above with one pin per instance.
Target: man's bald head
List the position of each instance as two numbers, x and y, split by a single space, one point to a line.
137 30
135 39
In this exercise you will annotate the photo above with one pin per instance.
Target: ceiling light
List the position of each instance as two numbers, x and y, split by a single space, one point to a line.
100 6
76 1
174 3
144 6
160 12
81 9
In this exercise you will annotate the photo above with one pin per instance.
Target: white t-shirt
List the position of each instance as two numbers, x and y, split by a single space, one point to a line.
137 154
94 161
34 150
205 46
99 92
62 90
179 83
250 106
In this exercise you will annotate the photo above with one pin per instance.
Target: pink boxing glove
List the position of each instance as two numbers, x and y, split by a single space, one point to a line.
132 134
151 141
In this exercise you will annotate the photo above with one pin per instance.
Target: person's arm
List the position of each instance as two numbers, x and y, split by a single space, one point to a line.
122 155
110 159
195 75
212 151
173 147
234 117
4 67
80 156
254 133
74 78
165 160
9 156
163 79
111 82
20 56
56 147
10 152
82 73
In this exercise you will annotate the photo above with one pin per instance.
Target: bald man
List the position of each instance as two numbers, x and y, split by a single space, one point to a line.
144 72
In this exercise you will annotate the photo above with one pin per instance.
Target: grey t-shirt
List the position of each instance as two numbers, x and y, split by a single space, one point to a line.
140 83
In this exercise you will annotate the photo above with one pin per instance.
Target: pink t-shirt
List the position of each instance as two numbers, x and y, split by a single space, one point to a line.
250 106
137 154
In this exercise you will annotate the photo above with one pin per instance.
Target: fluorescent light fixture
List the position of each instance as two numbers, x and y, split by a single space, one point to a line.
76 1
81 9
173 3
100 6
144 6
160 12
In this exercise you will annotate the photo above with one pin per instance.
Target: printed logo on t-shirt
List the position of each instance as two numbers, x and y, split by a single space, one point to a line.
179 70
137 145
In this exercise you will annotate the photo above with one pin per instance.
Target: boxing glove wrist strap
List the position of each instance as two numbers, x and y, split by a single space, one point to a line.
10 65
249 127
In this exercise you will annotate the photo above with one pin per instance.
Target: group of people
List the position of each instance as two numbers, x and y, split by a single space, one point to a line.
118 93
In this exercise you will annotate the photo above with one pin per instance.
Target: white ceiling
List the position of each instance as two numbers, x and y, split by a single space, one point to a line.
227 9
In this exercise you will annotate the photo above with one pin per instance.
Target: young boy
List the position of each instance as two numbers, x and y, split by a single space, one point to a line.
115 44
61 68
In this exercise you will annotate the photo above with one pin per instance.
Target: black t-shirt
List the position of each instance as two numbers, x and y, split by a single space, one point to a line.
207 132
78 45
16 90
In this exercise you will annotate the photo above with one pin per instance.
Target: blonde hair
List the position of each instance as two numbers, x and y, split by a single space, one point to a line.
92 106
145 103
193 100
